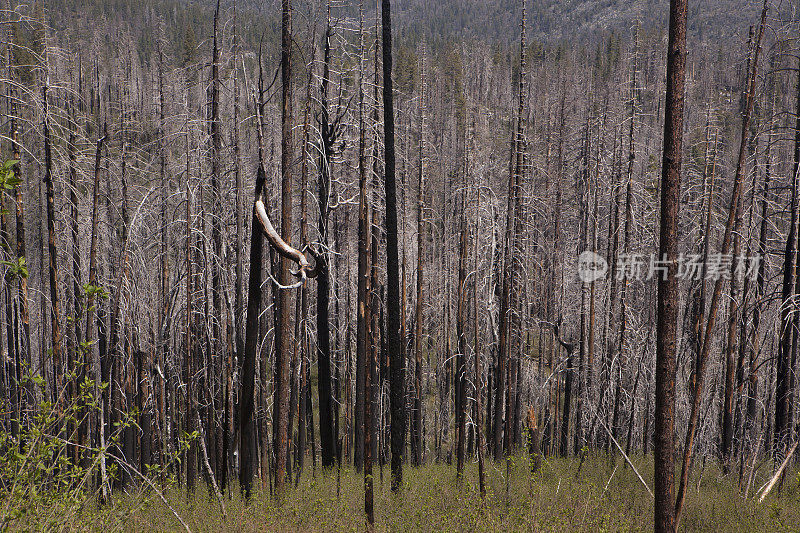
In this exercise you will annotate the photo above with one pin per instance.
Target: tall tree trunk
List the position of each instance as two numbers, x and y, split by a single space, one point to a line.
510 244
55 326
461 358
362 324
219 343
189 355
303 420
238 344
283 330
92 356
782 385
118 356
164 307
24 350
395 345
478 373
667 307
247 429
370 406
763 234
327 435
416 446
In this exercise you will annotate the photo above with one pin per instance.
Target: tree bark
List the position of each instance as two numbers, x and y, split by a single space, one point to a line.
327 435
283 329
395 345
667 307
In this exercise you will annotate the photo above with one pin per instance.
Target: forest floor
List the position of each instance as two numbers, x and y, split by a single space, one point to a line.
605 495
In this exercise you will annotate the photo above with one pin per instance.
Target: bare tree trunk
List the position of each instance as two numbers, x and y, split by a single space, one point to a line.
188 362
783 383
247 444
362 324
91 359
500 427
667 310
163 337
24 350
303 422
228 427
395 345
481 444
327 435
118 357
370 406
461 358
283 328
55 326
752 385
218 345
417 419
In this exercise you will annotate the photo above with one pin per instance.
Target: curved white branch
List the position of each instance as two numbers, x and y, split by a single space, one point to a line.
284 249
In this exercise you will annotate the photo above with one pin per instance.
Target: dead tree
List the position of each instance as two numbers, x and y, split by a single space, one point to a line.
247 444
23 351
55 325
329 130
395 344
461 357
91 355
219 344
417 418
283 330
667 306
481 444
189 371
783 393
500 427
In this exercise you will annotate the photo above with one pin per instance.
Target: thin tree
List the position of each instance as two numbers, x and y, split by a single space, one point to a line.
416 436
247 429
395 346
783 382
510 243
329 131
283 328
55 326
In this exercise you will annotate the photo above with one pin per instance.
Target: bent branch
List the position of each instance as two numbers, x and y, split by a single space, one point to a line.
286 250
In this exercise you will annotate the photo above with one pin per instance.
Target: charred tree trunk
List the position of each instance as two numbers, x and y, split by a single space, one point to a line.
513 227
362 322
461 357
782 385
247 444
328 132
55 326
283 329
92 357
667 307
395 345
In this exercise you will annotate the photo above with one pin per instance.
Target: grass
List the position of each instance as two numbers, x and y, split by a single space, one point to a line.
604 496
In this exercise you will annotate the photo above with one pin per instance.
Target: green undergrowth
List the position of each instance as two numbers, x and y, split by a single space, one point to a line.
605 495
